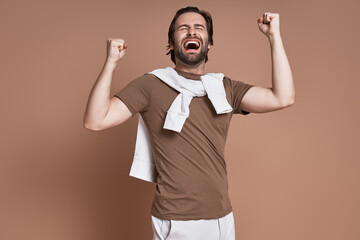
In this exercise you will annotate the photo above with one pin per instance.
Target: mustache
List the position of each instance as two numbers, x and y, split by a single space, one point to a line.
189 37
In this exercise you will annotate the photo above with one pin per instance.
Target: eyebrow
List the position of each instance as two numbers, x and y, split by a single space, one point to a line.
187 25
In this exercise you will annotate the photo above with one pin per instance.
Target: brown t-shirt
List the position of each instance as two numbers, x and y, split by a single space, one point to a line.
192 182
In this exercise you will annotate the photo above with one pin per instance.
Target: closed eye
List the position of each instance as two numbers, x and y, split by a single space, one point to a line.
199 26
183 27
186 27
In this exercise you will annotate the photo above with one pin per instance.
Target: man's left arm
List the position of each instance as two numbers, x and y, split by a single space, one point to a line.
282 93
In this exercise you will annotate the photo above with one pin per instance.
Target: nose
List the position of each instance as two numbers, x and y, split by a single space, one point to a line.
191 31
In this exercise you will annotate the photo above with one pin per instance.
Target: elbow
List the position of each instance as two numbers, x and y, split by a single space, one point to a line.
287 102
291 101
91 126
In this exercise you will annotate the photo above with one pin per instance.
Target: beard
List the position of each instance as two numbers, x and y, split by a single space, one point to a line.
191 58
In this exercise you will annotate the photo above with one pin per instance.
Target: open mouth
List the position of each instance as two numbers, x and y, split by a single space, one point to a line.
192 44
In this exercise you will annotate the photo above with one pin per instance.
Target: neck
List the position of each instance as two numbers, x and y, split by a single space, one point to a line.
195 69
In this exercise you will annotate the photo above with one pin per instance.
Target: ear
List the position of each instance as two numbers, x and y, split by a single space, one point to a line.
171 46
209 45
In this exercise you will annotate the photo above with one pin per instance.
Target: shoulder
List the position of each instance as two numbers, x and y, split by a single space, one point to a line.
146 81
235 84
230 84
146 78
229 81
236 89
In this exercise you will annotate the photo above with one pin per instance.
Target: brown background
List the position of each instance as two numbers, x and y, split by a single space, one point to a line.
293 174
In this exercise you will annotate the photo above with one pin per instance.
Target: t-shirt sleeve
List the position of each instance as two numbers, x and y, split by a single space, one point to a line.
136 95
238 91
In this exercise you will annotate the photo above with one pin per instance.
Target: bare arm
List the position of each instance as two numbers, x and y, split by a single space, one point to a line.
282 93
103 111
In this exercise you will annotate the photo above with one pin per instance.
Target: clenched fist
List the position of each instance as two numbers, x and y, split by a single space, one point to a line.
116 48
269 24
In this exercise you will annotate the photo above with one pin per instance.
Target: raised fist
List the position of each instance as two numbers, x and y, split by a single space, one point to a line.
116 48
269 23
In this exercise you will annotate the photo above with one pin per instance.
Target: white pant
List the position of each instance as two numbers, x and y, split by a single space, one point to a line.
213 229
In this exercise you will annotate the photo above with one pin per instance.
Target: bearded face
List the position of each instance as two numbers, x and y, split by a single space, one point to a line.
190 43
191 50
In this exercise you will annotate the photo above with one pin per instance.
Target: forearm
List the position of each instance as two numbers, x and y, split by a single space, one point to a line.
99 99
282 81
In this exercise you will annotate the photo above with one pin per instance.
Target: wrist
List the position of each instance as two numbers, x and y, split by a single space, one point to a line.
274 37
110 63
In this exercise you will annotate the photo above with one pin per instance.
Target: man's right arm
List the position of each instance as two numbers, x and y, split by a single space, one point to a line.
103 111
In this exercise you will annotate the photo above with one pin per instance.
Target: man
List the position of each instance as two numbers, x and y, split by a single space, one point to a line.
191 200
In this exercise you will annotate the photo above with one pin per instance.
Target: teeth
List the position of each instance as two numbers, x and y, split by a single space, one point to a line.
189 42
